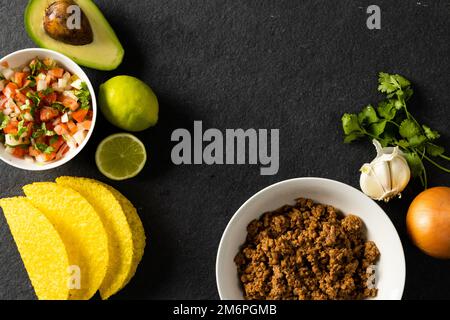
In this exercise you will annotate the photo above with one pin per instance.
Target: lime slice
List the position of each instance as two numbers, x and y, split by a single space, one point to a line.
121 156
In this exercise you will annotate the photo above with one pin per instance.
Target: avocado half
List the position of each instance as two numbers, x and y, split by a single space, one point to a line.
104 52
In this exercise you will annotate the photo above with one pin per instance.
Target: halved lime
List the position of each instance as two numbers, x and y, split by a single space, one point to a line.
120 156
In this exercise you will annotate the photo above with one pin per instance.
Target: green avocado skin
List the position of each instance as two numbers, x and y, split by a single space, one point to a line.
76 53
128 103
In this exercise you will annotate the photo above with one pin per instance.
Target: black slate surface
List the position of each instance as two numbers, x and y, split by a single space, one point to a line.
292 65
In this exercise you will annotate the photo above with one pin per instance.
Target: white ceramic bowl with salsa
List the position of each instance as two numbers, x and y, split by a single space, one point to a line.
20 59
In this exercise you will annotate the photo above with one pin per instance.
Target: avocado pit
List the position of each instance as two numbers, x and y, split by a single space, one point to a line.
59 22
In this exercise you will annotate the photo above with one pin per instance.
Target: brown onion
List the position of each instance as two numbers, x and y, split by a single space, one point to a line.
428 222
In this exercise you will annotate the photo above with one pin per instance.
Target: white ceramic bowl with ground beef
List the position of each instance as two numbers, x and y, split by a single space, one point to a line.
390 269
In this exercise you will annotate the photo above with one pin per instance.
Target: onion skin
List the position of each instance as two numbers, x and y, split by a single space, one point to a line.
428 222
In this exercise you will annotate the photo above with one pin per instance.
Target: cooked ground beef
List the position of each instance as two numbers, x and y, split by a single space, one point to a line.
308 251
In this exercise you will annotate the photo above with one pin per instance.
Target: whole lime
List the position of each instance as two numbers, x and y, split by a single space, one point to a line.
129 103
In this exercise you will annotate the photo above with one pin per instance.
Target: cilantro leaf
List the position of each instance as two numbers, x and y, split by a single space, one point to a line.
377 128
58 106
84 96
47 91
430 134
353 136
434 150
398 104
387 137
387 109
44 148
367 116
41 146
350 123
408 92
3 121
34 97
418 140
42 131
46 132
36 134
415 163
36 66
20 129
403 143
49 150
53 139
388 83
31 82
403 82
408 129
385 83
395 87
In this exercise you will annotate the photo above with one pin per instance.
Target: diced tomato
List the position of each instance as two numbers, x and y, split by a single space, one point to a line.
70 103
26 83
40 140
10 90
79 115
53 123
33 152
19 78
61 129
50 156
26 90
48 113
56 72
72 127
58 143
37 116
29 126
20 97
19 152
11 127
3 100
51 98
86 124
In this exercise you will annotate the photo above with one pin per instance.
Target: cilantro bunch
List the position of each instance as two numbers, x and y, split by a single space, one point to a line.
393 125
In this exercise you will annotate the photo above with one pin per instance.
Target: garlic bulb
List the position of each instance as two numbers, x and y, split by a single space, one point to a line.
387 175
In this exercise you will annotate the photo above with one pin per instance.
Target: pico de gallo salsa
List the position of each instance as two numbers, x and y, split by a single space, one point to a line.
44 110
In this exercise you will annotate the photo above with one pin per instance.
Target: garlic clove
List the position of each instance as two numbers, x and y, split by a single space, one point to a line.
400 173
369 184
382 173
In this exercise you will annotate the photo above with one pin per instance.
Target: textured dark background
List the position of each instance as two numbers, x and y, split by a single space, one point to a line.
292 65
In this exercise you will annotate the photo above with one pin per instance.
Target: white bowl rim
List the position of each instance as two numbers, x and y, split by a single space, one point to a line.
67 158
240 211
